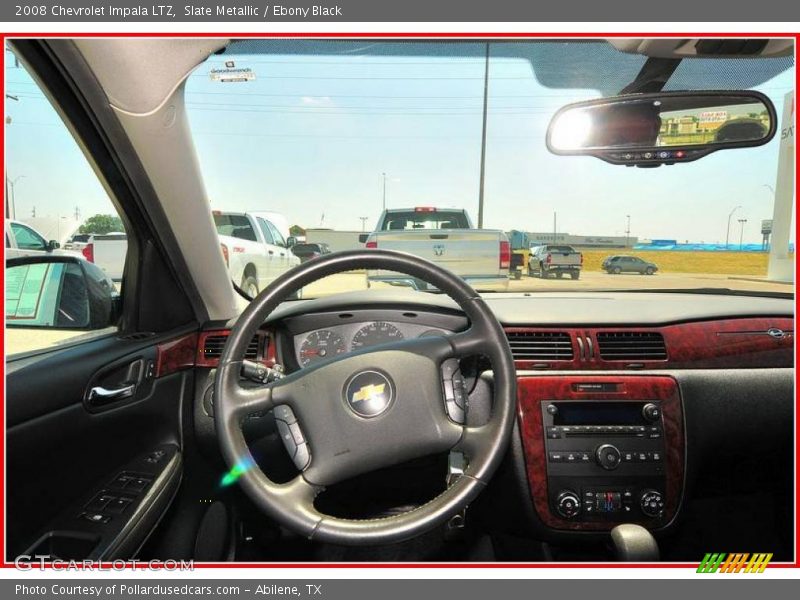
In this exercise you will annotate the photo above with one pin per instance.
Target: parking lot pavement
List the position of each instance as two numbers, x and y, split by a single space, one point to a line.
347 282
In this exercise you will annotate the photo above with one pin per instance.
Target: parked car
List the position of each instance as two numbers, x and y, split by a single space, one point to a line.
308 251
24 240
254 249
447 238
556 260
628 264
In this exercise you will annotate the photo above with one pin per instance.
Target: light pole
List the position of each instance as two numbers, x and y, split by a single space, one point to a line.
483 137
628 232
728 231
363 223
11 185
741 232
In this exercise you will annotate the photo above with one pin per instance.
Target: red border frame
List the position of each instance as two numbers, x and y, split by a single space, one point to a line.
424 35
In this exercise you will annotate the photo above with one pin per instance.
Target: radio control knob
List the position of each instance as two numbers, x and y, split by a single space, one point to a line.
568 504
652 503
651 412
608 457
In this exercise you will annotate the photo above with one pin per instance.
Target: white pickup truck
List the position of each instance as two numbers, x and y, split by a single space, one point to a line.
254 248
445 237
106 250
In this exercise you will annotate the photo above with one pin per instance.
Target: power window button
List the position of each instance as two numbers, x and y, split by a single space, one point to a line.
118 505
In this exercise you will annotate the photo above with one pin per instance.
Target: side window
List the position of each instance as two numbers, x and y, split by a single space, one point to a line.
265 230
276 235
27 238
72 293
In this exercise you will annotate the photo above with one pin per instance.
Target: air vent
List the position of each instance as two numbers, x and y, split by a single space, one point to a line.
540 345
631 345
212 348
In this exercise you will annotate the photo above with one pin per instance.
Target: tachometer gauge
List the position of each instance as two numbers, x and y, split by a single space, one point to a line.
376 333
320 345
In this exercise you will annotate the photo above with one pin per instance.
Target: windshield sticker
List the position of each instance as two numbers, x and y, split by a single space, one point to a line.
232 74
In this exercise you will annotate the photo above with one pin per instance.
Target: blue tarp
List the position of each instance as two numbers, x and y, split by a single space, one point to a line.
704 247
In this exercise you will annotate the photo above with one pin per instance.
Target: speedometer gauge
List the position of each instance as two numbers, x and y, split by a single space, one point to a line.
376 333
320 345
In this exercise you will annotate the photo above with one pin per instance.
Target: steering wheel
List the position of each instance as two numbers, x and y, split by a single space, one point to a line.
369 409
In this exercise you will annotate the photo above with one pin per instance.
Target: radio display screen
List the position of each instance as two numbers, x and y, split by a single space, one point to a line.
598 413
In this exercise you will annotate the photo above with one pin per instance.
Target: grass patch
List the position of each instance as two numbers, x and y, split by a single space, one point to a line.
722 263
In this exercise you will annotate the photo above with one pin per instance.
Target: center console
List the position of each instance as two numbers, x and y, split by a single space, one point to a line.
602 451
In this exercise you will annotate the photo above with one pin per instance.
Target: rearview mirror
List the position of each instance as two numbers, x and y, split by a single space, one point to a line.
53 245
59 292
662 128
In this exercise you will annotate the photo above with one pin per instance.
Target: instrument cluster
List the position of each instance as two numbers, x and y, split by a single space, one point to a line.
321 344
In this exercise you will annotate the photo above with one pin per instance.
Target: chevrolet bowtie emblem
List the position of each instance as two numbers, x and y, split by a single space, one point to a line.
368 392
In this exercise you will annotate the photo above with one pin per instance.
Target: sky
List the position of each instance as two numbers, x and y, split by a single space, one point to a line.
313 134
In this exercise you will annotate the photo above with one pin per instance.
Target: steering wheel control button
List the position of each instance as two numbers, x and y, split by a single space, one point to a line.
608 457
652 503
302 457
568 505
284 413
651 412
292 436
369 394
455 392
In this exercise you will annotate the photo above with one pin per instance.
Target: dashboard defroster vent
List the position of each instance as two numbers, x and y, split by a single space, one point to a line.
212 348
540 345
631 345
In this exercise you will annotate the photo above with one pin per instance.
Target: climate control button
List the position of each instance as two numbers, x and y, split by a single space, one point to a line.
568 504
652 503
608 457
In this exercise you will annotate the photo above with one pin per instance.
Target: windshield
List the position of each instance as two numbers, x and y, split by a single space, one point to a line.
384 145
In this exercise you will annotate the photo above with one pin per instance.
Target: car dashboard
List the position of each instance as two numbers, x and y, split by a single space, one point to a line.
625 400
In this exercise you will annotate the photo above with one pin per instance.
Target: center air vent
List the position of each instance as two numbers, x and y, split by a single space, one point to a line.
212 348
540 345
631 345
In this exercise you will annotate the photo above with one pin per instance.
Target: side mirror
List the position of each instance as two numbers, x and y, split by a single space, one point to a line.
291 241
648 130
53 245
59 292
362 238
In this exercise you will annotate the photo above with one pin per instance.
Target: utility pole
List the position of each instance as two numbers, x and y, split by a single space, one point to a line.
77 214
384 191
363 223
554 226
11 185
483 138
728 231
33 212
628 233
741 232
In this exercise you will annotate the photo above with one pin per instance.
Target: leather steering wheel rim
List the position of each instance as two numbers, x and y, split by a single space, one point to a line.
405 364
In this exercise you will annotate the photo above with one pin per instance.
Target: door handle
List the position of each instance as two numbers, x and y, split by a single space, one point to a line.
270 252
99 395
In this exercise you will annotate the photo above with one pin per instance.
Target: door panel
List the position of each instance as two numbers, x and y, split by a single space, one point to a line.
64 450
